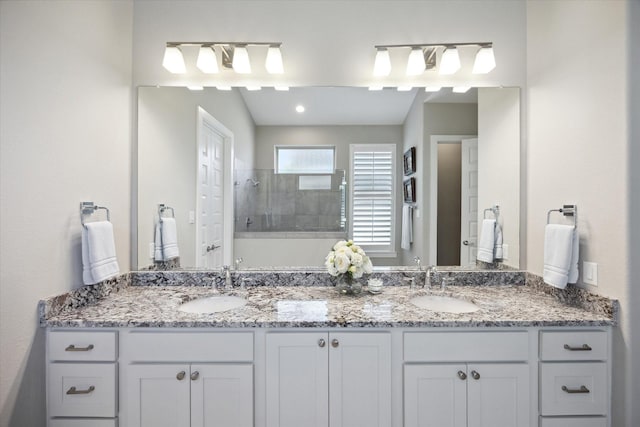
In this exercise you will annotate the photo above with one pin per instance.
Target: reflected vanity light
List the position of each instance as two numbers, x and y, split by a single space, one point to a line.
461 89
173 60
375 88
281 88
254 88
300 108
195 87
224 88
432 88
404 88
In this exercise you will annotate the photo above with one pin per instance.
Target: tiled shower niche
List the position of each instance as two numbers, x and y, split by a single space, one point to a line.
270 202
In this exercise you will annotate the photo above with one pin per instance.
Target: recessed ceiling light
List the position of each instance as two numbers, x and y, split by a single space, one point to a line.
300 108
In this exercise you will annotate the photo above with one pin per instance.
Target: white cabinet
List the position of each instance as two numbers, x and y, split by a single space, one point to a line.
475 392
196 395
187 379
81 377
574 377
328 379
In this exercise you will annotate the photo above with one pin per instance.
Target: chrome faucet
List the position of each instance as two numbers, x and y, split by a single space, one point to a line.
429 272
228 280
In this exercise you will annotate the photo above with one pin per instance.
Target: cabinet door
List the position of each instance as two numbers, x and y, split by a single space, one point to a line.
435 395
498 395
360 379
297 380
221 395
158 396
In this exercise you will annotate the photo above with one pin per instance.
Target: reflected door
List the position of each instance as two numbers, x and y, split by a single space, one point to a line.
469 202
210 219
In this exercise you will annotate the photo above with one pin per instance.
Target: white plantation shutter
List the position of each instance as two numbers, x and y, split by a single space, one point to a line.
372 196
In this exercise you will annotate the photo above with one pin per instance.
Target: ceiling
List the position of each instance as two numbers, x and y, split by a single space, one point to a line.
338 105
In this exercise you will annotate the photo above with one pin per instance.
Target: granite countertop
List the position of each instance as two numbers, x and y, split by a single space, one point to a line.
322 306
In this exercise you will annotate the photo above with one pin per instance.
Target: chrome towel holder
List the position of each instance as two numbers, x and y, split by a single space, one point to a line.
495 209
162 208
566 210
89 208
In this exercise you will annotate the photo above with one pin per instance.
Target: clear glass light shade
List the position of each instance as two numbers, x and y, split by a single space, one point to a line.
207 61
382 64
485 61
450 61
240 63
273 63
416 64
173 60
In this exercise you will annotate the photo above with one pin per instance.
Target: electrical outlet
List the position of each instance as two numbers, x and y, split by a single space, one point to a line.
590 273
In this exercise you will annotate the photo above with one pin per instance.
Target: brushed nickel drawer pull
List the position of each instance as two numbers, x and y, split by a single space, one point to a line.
73 390
335 343
584 347
74 348
195 375
321 342
582 389
180 375
475 375
462 375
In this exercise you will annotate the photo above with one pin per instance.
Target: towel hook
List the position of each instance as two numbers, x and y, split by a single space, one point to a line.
89 208
566 210
162 207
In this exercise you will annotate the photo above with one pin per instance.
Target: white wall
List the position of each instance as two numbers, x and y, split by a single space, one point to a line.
65 138
578 120
167 156
499 162
328 42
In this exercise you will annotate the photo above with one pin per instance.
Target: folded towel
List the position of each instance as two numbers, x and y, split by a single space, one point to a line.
407 227
487 242
561 250
169 239
98 252
498 253
157 243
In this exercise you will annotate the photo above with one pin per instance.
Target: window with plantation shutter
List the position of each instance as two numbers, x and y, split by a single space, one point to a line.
373 197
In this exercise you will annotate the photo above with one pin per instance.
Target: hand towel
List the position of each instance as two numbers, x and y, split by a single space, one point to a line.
407 227
169 239
98 252
487 242
498 253
157 243
561 251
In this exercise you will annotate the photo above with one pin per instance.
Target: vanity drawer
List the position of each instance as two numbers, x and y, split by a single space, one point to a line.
82 346
188 346
574 422
82 422
588 381
82 390
466 346
573 345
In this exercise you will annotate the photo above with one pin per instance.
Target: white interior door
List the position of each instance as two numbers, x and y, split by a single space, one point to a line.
469 202
210 211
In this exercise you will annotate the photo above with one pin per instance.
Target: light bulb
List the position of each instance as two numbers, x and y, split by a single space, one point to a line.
240 63
485 61
382 64
207 61
273 64
416 64
450 61
173 60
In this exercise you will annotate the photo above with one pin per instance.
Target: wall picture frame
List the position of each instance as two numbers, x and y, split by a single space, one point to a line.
409 187
410 161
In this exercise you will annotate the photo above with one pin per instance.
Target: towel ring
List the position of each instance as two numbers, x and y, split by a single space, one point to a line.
495 209
162 207
566 210
88 209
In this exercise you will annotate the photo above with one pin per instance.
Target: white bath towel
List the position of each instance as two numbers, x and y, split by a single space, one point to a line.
561 251
98 252
487 242
157 243
498 252
407 227
169 239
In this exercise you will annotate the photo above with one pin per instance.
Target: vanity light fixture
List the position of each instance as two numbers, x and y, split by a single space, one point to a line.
233 55
423 57
485 60
207 60
450 61
173 60
461 89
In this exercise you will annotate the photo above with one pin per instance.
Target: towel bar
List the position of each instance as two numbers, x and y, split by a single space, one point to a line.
162 207
495 209
566 210
88 208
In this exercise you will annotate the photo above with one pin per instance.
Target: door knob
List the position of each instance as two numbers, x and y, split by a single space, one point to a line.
180 375
195 375
475 375
335 343
466 243
462 375
321 342
212 248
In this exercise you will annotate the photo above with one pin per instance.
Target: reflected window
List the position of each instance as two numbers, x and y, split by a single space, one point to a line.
305 159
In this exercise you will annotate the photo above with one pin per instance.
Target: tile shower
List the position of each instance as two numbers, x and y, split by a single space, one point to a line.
270 202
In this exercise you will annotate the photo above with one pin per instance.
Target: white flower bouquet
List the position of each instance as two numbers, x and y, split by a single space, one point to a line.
349 259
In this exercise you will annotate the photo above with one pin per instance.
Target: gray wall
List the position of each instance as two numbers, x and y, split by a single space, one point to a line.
66 118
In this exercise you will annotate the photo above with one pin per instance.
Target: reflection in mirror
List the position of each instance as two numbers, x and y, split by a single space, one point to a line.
294 219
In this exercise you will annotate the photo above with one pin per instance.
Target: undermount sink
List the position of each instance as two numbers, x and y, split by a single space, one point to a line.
214 304
444 304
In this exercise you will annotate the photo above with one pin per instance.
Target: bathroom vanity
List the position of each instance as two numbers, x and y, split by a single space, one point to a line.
307 356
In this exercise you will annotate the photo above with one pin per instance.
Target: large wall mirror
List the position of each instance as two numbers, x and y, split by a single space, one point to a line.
217 160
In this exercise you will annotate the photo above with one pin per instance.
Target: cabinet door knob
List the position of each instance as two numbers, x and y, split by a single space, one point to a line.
462 375
321 342
195 375
475 375
180 375
583 347
335 343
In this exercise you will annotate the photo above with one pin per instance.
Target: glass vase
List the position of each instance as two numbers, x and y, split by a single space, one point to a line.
347 285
